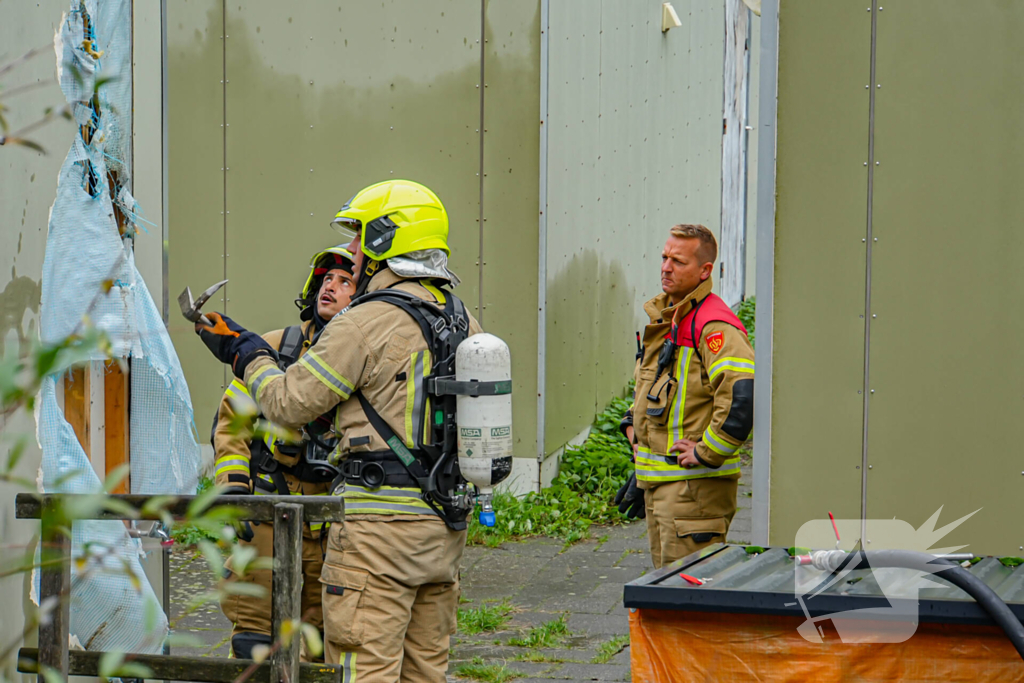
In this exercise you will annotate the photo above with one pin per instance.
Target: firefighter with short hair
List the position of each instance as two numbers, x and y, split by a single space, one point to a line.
391 574
693 405
247 462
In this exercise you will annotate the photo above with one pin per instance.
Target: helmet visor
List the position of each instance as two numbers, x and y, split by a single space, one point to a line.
347 227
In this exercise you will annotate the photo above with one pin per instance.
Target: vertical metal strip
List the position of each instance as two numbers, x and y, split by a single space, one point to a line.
224 164
542 238
482 87
164 165
867 279
766 142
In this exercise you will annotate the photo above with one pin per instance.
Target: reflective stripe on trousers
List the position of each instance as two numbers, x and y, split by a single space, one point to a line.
387 500
652 467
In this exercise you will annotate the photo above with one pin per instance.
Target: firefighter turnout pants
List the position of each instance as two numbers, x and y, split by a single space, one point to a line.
390 595
685 516
252 614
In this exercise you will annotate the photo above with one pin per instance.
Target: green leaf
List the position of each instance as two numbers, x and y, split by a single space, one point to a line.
203 501
115 477
1011 561
109 663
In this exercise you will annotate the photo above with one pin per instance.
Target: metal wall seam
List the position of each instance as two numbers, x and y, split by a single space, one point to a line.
164 175
224 160
767 115
542 236
867 278
482 86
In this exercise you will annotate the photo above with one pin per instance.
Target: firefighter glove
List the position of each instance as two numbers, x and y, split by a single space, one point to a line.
231 343
630 499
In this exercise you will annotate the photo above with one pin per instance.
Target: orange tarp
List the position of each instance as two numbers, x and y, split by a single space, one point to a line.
684 647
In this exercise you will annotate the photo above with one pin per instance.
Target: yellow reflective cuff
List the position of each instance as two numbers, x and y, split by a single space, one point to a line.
327 375
261 377
718 444
734 364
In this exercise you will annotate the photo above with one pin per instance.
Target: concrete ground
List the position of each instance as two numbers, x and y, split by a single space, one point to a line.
539 578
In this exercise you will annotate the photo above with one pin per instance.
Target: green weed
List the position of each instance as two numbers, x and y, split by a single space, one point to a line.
610 648
485 619
488 673
190 534
580 496
541 658
746 314
548 634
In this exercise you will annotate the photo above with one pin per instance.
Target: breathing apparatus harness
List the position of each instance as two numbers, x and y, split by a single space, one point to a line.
433 463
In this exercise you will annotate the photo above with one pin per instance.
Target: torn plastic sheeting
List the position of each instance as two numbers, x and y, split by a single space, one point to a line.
84 253
672 646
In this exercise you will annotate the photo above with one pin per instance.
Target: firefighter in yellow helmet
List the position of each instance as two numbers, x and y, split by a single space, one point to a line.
247 462
391 574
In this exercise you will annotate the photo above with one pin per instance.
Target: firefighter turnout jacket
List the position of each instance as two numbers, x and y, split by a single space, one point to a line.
705 394
377 349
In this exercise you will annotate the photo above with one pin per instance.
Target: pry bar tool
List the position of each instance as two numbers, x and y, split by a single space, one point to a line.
190 309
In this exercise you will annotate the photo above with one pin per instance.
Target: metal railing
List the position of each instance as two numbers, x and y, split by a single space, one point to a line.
288 513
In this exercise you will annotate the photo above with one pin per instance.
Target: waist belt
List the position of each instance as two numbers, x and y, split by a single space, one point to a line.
376 469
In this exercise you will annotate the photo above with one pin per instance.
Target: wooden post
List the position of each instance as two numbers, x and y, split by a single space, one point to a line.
287 590
77 406
55 587
115 411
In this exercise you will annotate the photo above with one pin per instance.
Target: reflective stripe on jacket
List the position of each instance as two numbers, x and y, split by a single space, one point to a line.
706 396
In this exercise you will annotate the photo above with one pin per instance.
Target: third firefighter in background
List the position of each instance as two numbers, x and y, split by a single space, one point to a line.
693 405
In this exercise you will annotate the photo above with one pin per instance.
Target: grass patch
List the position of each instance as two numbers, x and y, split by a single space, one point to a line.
485 619
488 673
610 648
541 658
548 634
580 496
190 534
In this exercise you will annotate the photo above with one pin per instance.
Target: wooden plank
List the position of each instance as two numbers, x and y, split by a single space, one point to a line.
54 594
116 404
199 669
255 508
77 405
287 591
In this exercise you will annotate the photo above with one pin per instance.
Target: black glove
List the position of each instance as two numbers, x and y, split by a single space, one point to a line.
630 500
231 343
242 527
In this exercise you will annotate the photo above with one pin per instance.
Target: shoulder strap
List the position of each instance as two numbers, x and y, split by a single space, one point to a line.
291 344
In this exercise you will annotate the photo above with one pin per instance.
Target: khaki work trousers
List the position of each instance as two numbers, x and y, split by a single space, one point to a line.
251 614
390 596
677 511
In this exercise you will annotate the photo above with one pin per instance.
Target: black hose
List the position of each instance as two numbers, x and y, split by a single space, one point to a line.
954 574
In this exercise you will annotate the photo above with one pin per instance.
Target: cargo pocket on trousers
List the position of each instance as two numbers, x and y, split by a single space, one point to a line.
703 530
342 593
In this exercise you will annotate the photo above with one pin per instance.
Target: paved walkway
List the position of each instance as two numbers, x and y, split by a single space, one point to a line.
539 578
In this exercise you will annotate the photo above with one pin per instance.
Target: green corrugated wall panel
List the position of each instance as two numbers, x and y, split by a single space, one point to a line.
946 283
820 224
511 147
195 185
321 104
634 147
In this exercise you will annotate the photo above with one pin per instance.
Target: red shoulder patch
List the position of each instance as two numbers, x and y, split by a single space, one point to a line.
715 341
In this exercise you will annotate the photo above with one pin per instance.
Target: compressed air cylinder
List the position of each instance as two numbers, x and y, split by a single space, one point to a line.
485 422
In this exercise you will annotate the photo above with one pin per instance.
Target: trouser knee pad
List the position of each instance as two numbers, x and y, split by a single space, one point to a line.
242 643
